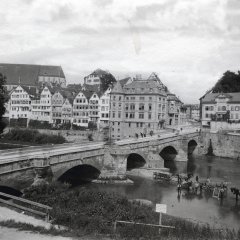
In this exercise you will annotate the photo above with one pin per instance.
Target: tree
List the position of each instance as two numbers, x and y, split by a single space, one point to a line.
229 82
107 80
3 99
92 125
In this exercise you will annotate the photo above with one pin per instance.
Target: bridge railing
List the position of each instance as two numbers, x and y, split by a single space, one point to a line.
44 212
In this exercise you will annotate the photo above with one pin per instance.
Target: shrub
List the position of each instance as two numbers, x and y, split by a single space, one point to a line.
28 135
93 211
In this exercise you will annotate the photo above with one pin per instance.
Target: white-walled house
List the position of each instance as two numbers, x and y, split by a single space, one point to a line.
94 108
42 106
67 110
104 107
20 102
57 102
81 109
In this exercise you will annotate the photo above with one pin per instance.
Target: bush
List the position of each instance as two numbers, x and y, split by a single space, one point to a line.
39 124
33 136
93 211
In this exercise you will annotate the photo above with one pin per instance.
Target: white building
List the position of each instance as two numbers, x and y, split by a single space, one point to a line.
42 106
220 107
81 109
104 107
20 102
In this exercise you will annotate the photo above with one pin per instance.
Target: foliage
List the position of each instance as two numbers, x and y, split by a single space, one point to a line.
33 136
39 124
107 80
90 137
76 127
92 125
3 99
93 211
229 82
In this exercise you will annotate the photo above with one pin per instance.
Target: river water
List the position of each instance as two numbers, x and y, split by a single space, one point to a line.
200 208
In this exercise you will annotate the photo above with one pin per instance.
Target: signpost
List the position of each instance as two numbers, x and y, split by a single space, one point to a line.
161 208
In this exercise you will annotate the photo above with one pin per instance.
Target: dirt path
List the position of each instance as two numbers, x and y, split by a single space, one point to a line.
13 234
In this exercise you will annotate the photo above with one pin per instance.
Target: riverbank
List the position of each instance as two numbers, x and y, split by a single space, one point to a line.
87 211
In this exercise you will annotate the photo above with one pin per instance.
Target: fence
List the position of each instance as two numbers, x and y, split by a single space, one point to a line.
44 213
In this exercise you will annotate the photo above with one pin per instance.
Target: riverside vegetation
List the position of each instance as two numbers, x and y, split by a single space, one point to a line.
94 212
32 136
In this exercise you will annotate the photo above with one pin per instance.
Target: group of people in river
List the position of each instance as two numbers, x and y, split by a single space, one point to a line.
196 187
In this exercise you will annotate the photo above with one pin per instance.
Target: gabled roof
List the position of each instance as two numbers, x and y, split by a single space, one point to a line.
124 81
210 97
32 91
117 88
27 74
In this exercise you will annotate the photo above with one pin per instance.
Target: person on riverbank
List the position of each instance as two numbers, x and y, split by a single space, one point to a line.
179 188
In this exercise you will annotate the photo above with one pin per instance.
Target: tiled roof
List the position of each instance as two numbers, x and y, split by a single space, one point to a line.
27 73
210 97
32 91
117 88
124 80
149 86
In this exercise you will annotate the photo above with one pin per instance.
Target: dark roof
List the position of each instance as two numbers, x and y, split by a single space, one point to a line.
124 81
210 97
32 91
27 73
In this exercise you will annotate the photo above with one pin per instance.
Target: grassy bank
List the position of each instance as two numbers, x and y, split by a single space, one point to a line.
94 212
32 136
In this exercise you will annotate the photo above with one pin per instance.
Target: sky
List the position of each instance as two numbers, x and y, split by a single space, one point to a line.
188 43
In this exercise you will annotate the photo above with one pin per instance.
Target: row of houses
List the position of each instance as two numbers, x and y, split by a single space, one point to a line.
59 105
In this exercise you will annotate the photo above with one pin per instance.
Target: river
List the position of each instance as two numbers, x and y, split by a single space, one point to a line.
200 208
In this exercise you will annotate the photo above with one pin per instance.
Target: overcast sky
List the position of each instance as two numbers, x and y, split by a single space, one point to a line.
189 43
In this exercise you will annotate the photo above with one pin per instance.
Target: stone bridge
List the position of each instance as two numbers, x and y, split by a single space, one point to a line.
20 167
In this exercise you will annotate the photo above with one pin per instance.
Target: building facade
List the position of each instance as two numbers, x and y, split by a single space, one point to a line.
219 107
137 108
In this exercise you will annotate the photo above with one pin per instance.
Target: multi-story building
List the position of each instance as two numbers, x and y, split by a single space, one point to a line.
176 111
67 110
220 107
137 108
192 111
94 108
104 103
95 77
32 75
20 102
81 109
42 106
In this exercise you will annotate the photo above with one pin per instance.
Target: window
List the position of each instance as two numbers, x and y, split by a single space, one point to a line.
223 108
232 108
150 98
141 116
119 114
141 98
142 89
206 115
236 108
132 106
132 115
113 114
126 107
126 115
236 115
141 106
150 90
150 107
149 116
132 98
206 108
129 124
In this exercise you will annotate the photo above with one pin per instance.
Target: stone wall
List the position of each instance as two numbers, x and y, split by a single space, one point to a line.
223 144
218 126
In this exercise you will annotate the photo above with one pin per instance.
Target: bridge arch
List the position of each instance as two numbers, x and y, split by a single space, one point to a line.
79 174
135 160
192 144
169 154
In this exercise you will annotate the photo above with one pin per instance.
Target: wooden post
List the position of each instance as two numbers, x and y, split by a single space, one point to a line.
115 226
160 221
